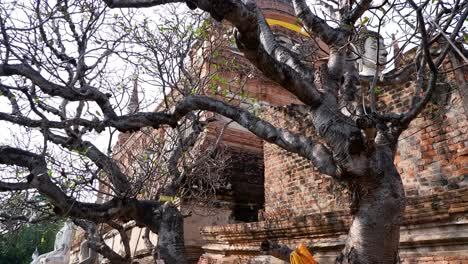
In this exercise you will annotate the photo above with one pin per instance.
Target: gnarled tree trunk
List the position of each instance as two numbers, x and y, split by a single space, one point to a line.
375 231
170 223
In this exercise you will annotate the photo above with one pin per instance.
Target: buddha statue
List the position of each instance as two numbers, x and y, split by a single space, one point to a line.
372 53
61 253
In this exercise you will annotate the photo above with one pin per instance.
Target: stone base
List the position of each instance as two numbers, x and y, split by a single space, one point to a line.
435 230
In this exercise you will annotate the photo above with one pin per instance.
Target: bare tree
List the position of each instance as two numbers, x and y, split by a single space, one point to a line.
46 73
82 67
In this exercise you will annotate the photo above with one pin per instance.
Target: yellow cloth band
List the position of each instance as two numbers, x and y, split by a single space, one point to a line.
287 25
302 256
164 198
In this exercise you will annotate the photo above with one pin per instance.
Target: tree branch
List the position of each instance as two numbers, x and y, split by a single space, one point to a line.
4 90
419 105
173 163
96 242
118 179
317 25
34 123
124 238
276 250
255 39
65 205
304 146
87 93
355 13
301 145
8 186
138 3
424 38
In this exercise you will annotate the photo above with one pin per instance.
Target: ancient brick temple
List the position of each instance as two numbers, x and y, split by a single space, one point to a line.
303 206
279 196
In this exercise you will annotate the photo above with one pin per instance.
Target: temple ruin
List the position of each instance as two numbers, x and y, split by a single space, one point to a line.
279 196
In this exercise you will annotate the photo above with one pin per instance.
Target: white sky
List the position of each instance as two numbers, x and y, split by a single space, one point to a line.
147 100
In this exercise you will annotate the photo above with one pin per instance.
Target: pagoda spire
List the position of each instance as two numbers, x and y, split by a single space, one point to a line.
399 60
134 104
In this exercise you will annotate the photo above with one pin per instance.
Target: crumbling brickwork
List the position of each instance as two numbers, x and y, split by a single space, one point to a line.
292 186
432 155
302 205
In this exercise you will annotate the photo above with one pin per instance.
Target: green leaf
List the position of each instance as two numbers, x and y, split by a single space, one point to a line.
49 173
162 29
215 77
81 152
225 92
243 95
84 152
364 21
465 37
213 88
206 24
223 81
98 113
215 53
43 240
377 90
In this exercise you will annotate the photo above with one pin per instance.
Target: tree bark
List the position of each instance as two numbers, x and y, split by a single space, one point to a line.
171 235
282 252
375 232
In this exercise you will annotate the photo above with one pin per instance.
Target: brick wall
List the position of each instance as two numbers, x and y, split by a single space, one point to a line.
432 154
436 260
434 229
292 186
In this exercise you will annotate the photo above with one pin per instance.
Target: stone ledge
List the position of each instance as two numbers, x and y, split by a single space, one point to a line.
435 224
320 224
